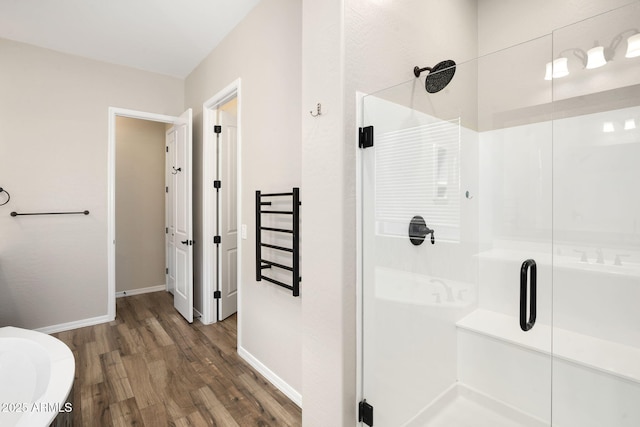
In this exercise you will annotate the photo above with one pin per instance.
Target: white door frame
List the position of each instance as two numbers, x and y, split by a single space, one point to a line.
111 194
209 215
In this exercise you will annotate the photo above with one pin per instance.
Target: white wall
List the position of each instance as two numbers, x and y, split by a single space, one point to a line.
328 270
264 52
53 157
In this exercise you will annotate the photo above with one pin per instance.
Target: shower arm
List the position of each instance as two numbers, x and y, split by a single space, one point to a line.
417 70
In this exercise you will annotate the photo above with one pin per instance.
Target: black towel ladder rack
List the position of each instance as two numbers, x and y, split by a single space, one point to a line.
294 250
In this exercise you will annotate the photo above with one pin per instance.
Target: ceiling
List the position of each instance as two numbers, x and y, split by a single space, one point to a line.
164 36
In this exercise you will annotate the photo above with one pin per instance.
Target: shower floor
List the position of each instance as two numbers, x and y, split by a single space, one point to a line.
461 406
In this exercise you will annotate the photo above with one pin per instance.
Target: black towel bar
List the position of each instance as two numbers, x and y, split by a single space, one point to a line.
49 213
279 230
262 264
270 264
280 248
276 282
278 212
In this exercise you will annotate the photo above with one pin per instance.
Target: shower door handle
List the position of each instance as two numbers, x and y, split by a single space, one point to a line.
528 265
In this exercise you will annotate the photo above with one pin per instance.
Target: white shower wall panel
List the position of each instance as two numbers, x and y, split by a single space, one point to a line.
513 375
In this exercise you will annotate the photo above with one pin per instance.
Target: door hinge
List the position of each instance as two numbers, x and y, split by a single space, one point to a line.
217 129
166 149
217 184
166 230
365 139
217 240
166 270
365 413
166 189
217 294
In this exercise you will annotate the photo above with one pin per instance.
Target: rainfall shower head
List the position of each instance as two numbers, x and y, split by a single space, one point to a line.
439 76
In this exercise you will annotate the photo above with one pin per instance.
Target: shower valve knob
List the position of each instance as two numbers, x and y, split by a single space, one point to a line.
418 230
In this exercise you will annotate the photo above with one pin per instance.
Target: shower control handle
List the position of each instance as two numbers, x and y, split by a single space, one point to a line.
530 266
418 230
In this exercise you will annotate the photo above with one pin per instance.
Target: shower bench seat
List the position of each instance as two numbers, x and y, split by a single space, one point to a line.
496 358
606 356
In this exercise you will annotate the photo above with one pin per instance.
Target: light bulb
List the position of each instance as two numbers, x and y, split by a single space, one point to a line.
607 127
633 46
629 124
549 71
595 57
560 68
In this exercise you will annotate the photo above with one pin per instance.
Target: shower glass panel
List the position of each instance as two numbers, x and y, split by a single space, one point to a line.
442 337
596 226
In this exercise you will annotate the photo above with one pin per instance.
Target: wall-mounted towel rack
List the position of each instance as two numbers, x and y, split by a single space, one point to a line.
294 250
49 213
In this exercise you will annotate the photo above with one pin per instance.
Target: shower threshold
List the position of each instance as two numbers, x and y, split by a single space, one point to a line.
462 406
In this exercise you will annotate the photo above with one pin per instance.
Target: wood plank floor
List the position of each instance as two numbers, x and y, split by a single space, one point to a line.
151 368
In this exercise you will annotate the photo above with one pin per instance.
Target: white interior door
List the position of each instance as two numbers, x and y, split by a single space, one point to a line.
228 212
180 200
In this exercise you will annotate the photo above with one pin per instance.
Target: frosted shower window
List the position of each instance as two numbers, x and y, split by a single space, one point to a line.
418 173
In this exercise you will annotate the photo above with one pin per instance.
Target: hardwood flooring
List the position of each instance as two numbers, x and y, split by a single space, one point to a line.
151 368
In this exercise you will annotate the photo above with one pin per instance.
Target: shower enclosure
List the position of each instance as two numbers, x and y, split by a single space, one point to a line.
501 239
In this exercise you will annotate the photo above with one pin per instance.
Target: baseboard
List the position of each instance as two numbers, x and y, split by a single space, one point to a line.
278 382
75 324
140 291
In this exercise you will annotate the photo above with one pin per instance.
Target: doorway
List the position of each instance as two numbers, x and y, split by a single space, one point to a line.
222 233
140 207
179 218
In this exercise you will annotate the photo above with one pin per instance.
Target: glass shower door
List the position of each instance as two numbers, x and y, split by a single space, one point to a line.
456 201
596 274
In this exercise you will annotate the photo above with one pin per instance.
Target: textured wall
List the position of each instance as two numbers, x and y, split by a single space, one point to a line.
53 157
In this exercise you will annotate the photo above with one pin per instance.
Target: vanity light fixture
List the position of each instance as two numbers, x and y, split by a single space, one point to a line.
595 57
